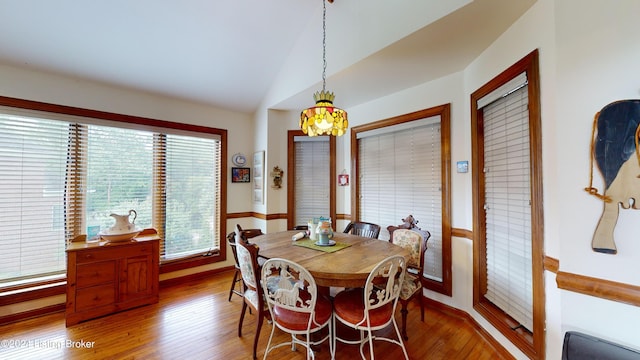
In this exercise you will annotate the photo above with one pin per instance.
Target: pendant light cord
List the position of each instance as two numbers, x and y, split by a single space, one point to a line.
324 45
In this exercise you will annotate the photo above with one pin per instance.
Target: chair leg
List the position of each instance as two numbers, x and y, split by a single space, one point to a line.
404 313
421 308
233 284
255 340
244 309
268 348
400 342
371 353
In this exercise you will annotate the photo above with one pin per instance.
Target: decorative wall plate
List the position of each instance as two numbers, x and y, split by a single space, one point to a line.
239 159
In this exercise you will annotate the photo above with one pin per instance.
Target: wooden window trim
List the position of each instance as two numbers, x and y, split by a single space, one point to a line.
532 345
69 110
444 111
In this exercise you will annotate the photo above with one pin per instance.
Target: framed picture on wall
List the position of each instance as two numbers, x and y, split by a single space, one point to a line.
258 177
240 175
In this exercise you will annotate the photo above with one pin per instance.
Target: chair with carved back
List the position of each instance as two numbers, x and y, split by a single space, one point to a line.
237 276
416 243
253 296
246 234
296 306
364 229
372 308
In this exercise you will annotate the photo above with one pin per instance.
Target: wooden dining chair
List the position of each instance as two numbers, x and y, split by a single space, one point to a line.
416 243
364 229
237 276
249 233
295 305
231 238
253 296
373 307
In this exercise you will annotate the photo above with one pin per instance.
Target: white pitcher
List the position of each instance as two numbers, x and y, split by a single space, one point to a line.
122 225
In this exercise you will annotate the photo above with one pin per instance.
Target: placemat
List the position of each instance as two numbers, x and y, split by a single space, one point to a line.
308 243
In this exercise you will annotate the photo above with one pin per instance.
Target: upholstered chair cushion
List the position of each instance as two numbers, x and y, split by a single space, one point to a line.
349 306
409 240
299 321
410 286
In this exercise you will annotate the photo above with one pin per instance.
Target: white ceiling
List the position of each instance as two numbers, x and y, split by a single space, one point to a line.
239 54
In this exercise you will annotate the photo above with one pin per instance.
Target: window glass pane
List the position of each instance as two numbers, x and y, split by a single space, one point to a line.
119 176
32 178
192 166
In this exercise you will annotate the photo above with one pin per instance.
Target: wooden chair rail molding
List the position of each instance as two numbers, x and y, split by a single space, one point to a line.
551 264
463 233
610 290
605 289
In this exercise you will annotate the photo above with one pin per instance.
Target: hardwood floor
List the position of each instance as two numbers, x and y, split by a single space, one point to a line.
194 320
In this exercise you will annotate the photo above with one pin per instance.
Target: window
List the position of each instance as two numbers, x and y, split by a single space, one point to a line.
191 208
507 193
32 169
62 175
402 169
312 182
311 170
119 175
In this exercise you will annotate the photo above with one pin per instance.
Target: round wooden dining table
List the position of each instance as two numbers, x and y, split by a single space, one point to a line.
347 267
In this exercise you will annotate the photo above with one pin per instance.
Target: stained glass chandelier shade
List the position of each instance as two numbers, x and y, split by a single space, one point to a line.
324 118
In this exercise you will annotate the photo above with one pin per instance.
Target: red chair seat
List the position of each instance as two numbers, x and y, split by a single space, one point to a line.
349 306
298 321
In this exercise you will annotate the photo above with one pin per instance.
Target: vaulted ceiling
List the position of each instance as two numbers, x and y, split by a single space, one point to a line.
243 54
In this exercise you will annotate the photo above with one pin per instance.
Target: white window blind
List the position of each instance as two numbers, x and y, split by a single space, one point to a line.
192 208
33 156
400 175
508 206
312 178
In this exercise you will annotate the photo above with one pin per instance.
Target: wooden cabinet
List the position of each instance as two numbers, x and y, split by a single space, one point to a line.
103 278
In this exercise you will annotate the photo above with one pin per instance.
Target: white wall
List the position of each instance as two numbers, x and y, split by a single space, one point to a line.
597 62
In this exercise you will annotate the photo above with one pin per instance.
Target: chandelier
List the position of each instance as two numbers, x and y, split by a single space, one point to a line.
324 118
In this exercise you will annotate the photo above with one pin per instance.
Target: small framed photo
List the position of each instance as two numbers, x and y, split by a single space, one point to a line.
343 180
463 166
240 175
258 177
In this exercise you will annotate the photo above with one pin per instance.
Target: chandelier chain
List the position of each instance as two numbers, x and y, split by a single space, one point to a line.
324 45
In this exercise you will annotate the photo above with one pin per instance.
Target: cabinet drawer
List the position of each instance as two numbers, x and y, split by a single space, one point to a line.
95 273
117 251
95 296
